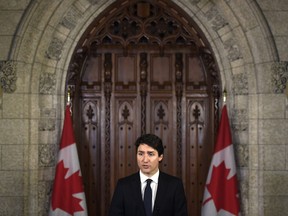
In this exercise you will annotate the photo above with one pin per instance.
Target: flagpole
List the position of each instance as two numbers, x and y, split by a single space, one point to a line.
224 96
68 95
69 103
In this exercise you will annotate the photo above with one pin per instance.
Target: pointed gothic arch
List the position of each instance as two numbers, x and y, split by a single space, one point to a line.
117 61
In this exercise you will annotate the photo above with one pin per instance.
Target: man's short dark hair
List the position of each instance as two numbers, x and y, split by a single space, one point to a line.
151 140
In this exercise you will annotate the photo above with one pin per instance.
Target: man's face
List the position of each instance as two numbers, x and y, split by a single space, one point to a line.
148 159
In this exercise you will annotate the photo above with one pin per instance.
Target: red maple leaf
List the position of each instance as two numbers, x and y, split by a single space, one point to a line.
224 191
64 189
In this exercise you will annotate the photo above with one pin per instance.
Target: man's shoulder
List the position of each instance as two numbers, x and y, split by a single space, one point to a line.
169 177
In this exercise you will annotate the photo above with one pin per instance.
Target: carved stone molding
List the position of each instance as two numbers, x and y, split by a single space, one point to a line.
55 49
279 76
240 120
242 155
218 22
233 50
47 125
47 121
240 84
47 155
8 76
216 19
70 19
44 196
48 112
47 84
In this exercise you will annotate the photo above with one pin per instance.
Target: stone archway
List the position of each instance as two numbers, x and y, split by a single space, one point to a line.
143 57
43 48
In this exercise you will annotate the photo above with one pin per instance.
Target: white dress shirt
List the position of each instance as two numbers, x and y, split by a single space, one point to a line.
153 184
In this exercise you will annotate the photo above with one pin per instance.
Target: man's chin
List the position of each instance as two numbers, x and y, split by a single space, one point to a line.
146 171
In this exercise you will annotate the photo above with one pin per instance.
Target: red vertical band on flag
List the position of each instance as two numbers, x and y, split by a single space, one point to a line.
221 195
67 133
68 196
224 134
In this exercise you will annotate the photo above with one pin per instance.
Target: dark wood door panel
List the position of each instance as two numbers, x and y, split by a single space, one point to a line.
185 121
125 126
88 139
163 125
199 145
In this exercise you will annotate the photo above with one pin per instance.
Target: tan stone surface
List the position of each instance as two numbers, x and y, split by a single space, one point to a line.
272 106
275 205
5 46
274 157
13 131
11 183
15 106
12 157
10 206
273 131
274 183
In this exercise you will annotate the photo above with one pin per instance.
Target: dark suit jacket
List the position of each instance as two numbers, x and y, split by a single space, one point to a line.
170 198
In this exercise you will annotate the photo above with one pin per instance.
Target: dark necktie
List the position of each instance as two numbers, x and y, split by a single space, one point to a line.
148 198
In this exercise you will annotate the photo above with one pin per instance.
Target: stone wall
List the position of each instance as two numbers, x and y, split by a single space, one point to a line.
249 39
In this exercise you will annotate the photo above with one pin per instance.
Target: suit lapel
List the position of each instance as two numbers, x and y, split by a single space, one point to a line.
136 191
161 192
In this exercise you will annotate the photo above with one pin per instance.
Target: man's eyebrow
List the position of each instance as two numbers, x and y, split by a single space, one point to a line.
147 151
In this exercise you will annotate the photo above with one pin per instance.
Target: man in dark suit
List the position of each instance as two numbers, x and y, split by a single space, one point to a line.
166 193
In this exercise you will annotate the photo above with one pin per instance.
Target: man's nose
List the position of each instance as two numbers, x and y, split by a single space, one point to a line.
145 158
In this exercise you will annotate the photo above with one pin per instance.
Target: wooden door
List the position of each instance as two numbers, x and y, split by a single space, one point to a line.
124 86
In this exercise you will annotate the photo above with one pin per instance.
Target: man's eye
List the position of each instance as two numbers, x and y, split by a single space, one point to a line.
151 154
140 153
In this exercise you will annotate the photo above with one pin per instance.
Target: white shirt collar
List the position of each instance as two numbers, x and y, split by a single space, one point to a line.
154 178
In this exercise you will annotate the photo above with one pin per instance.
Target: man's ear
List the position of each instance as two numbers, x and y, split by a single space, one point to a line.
160 157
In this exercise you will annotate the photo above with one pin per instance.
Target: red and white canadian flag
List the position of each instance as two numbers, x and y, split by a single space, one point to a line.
68 197
221 196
